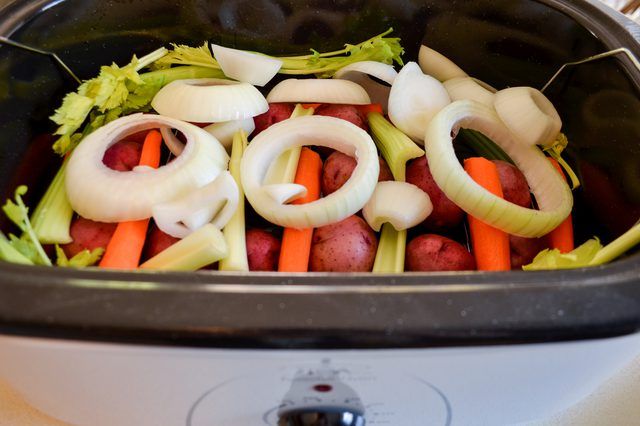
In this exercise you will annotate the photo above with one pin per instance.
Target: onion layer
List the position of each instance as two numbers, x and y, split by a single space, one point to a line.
99 193
246 66
359 73
312 130
209 100
437 65
401 204
467 88
323 91
414 100
551 191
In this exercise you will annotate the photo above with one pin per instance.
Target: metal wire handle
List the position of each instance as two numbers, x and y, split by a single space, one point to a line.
614 52
5 40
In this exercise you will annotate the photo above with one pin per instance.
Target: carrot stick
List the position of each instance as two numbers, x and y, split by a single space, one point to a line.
366 109
490 245
561 238
126 244
296 243
314 106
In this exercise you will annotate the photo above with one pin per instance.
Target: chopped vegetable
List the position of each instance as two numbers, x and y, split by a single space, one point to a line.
577 258
379 48
296 243
437 65
125 248
28 245
555 151
483 146
383 206
391 250
361 73
201 248
561 238
249 67
52 217
234 231
467 88
318 90
80 260
490 245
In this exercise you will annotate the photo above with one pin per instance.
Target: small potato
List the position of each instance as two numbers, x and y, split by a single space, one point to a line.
263 250
88 235
514 185
276 113
446 214
523 250
345 112
430 252
157 242
346 246
338 167
123 156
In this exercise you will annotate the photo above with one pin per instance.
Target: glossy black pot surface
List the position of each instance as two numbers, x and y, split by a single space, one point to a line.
504 43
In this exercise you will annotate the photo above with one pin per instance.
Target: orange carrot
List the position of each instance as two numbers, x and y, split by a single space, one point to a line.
561 238
366 109
296 243
490 245
314 106
126 244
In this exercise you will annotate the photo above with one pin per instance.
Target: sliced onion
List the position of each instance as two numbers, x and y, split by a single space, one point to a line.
437 65
359 73
401 204
529 115
414 100
223 132
284 193
552 193
209 100
246 66
467 88
311 130
215 202
315 90
99 193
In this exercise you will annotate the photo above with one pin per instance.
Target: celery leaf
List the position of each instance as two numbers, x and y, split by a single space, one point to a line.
552 259
81 260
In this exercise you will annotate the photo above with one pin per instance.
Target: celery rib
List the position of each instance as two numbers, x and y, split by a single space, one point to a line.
391 251
51 219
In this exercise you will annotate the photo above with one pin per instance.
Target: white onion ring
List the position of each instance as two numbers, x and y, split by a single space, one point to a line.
244 66
359 73
322 91
311 130
467 88
223 132
549 188
209 100
99 193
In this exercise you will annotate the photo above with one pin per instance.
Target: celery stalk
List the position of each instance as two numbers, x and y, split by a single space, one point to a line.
391 249
200 248
10 254
234 231
52 217
166 76
396 147
283 170
618 246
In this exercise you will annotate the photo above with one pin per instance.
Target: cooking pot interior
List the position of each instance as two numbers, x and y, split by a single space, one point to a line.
505 43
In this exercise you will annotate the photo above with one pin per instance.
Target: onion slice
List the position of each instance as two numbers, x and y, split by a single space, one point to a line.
384 206
315 90
437 65
209 100
284 193
359 72
311 130
551 191
529 115
223 132
467 88
244 66
414 100
99 193
215 202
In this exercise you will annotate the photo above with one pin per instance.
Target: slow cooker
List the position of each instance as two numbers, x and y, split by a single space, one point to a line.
123 348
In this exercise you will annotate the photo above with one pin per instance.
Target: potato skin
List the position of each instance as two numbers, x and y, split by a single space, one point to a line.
514 185
346 246
345 112
446 214
88 235
338 167
123 156
523 250
263 250
431 252
157 242
276 113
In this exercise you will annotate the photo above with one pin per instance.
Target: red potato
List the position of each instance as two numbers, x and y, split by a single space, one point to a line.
123 156
263 250
276 113
430 252
346 112
338 167
157 242
88 235
514 185
523 250
346 246
446 214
